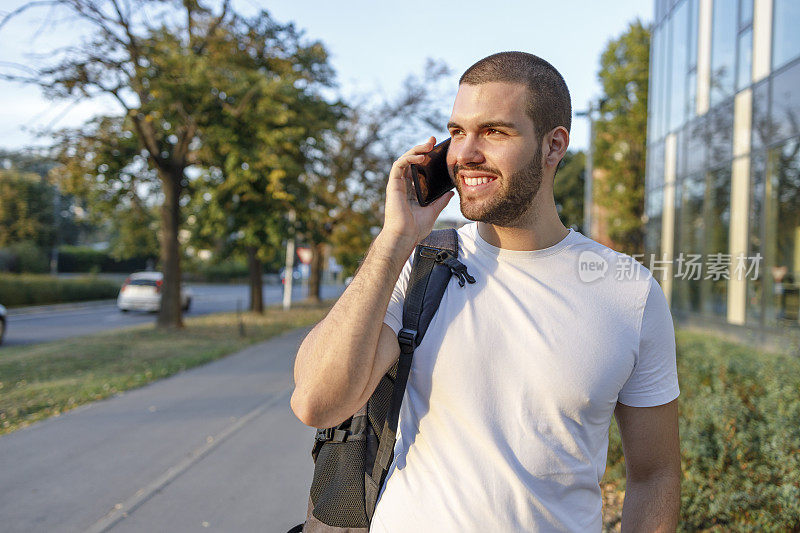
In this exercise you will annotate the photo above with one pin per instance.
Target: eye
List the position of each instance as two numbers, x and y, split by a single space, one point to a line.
456 131
492 131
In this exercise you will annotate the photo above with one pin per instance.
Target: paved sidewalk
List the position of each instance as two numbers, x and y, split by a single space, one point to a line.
215 448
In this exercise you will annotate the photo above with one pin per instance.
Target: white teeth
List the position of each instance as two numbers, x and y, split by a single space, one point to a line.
477 181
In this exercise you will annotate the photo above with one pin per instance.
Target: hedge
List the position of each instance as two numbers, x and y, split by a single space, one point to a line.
740 437
32 289
86 259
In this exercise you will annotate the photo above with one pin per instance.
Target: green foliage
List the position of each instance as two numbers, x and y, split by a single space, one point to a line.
568 189
228 270
86 259
30 289
26 209
103 167
24 257
740 437
620 142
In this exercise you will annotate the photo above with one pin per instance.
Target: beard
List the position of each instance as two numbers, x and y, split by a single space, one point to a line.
514 199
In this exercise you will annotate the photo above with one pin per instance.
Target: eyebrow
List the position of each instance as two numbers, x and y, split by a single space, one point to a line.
486 125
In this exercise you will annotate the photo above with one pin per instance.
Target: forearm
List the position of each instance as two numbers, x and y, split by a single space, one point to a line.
335 361
652 505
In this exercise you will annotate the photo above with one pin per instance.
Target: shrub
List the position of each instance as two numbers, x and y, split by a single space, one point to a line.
24 256
740 437
30 289
224 271
87 259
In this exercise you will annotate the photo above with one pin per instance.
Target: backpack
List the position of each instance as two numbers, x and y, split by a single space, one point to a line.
352 459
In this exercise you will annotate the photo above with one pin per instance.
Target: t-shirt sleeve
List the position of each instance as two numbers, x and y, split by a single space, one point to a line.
654 380
394 313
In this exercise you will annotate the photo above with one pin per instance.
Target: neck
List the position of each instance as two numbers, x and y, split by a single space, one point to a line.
540 227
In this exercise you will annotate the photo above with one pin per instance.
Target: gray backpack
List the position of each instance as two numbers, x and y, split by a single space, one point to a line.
352 459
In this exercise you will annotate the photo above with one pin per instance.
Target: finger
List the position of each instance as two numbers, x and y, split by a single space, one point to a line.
400 168
423 148
416 155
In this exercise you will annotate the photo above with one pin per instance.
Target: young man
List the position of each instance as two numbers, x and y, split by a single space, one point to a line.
504 425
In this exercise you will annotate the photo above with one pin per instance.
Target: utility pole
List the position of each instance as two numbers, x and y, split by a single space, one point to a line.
288 272
57 230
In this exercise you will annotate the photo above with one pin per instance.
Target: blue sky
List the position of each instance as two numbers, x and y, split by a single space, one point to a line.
373 46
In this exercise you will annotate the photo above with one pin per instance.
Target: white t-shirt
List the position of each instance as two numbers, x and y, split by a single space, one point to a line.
504 423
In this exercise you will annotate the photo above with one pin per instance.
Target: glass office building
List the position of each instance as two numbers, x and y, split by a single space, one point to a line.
722 200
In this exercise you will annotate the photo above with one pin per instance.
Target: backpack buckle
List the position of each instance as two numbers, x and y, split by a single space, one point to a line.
407 339
325 434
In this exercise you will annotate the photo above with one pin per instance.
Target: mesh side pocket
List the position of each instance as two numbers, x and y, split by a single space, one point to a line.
338 487
378 404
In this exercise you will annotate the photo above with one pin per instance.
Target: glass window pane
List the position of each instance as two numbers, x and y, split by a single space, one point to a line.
782 235
691 94
785 115
761 124
653 94
680 152
691 233
696 145
745 13
655 162
723 50
664 77
654 205
680 47
720 134
755 280
692 34
745 60
717 215
785 34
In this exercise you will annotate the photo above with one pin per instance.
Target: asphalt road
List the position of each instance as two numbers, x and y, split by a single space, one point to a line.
49 323
215 448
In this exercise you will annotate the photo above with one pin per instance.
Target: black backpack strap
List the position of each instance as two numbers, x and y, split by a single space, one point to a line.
435 260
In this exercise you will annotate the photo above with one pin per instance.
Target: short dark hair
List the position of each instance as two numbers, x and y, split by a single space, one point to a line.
548 104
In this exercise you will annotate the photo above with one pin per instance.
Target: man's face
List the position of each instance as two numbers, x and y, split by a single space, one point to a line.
494 156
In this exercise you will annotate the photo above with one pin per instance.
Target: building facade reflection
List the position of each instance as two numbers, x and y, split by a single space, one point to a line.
723 163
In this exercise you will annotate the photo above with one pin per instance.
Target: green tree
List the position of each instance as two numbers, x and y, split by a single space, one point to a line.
568 189
102 165
26 209
347 181
158 61
256 149
621 136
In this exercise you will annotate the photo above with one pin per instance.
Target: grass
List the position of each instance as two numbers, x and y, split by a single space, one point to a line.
44 380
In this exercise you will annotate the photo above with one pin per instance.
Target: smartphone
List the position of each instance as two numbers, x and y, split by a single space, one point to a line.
432 178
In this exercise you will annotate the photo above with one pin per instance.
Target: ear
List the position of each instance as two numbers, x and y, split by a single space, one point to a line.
554 146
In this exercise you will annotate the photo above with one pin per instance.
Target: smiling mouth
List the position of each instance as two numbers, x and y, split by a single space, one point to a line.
474 182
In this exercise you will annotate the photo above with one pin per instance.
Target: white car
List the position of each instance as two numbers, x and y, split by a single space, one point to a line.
3 314
142 292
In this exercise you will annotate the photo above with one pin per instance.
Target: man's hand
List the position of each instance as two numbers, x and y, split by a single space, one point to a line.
343 358
653 465
405 218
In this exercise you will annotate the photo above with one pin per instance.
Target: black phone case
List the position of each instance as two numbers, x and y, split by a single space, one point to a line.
432 179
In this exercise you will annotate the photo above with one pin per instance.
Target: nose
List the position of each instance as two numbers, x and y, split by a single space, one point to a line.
465 151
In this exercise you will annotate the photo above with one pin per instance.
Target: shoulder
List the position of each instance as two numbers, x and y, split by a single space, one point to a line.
614 276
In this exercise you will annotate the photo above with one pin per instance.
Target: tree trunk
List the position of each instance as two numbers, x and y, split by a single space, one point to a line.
315 277
256 281
170 314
